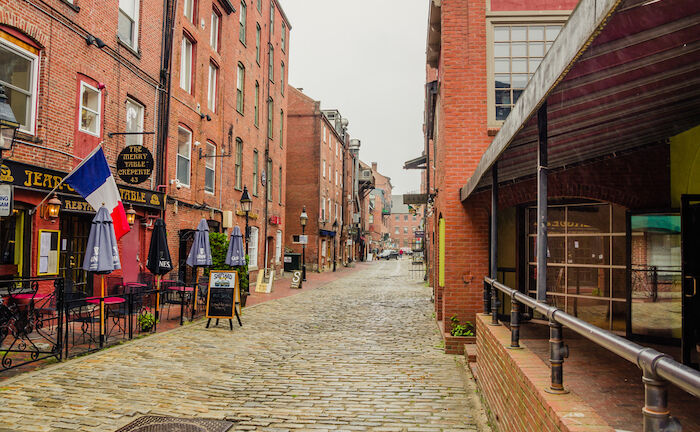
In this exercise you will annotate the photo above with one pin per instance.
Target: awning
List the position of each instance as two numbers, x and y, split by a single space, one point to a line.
657 223
327 233
620 76
417 163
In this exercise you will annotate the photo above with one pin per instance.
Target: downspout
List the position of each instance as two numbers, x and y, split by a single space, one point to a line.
431 96
169 8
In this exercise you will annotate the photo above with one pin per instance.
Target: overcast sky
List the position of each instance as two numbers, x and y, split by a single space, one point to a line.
366 58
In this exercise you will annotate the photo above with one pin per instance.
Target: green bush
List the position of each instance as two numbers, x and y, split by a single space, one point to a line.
219 247
466 329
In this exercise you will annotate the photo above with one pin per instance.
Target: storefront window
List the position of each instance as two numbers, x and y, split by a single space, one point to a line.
585 261
12 250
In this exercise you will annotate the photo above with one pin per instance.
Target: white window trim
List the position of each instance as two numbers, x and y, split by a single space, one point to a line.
83 85
253 247
139 138
212 169
243 23
186 82
190 18
34 86
137 7
278 246
214 30
212 86
189 158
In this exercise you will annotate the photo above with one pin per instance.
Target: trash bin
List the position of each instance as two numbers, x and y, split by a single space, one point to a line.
292 261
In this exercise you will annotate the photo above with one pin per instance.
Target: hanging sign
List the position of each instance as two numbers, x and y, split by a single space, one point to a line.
135 164
223 295
5 200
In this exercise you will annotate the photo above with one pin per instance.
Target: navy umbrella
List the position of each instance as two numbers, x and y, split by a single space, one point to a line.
102 254
235 256
159 262
200 255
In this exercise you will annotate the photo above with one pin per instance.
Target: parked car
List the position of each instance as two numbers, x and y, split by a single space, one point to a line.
407 250
388 254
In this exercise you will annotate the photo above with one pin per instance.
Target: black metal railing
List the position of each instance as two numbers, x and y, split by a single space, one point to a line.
30 321
658 369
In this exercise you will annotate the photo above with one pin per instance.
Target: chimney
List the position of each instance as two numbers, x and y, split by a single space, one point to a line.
374 166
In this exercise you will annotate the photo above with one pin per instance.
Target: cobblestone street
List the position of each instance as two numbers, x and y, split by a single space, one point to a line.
359 353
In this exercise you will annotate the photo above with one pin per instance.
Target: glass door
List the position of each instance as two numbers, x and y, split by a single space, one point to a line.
75 230
690 298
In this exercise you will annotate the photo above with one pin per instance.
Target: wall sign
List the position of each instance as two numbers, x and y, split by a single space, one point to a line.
5 200
48 252
296 279
303 239
135 164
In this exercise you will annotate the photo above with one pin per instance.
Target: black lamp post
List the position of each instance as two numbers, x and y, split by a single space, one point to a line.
335 241
8 123
246 203
303 218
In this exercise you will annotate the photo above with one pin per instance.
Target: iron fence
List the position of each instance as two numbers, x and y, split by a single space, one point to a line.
658 369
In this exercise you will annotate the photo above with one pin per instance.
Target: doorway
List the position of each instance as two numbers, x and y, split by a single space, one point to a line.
75 229
690 298
185 273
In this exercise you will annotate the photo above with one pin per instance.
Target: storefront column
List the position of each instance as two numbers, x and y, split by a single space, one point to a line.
542 203
494 241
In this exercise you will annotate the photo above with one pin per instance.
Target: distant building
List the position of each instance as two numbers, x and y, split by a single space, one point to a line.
403 225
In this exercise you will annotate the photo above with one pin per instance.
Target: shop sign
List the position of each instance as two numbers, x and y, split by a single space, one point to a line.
31 177
275 220
5 200
135 164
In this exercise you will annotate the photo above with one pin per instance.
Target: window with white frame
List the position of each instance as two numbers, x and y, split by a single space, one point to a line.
214 30
18 74
257 104
518 50
242 18
253 247
370 218
90 108
270 111
255 172
271 57
323 209
211 92
329 209
269 181
186 65
259 2
272 19
239 163
336 177
396 230
324 133
282 78
257 43
188 10
336 211
405 230
280 186
129 22
184 153
240 83
134 122
281 128
283 37
324 169
210 168
278 246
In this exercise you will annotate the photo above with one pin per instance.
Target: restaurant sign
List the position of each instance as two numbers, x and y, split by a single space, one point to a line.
135 164
5 200
30 177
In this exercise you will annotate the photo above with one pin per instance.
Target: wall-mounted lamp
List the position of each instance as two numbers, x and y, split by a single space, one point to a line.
53 207
8 122
131 215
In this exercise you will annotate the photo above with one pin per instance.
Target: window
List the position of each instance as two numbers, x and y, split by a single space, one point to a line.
210 168
281 128
329 209
255 173
257 103
336 211
405 230
211 93
242 20
134 122
239 162
282 78
259 5
257 43
272 19
323 208
517 52
278 246
405 218
253 247
283 42
396 230
129 22
90 106
271 71
268 182
370 218
324 168
186 65
240 82
336 177
336 149
189 10
397 217
324 133
184 150
214 30
270 110
414 218
280 179
20 67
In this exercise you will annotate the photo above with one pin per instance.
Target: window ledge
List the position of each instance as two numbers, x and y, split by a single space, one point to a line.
71 5
24 136
493 130
129 48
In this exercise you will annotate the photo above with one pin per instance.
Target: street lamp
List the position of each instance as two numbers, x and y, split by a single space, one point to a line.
246 204
335 240
8 122
303 218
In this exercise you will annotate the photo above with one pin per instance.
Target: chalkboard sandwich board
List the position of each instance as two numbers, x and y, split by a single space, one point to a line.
223 296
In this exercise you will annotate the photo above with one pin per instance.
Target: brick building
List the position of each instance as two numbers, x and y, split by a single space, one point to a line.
378 207
322 182
404 224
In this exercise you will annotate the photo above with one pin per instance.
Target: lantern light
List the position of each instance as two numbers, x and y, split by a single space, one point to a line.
131 215
53 207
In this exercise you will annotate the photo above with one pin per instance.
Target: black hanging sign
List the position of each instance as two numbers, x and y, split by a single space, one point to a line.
223 296
135 164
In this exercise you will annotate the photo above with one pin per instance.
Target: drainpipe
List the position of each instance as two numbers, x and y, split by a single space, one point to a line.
169 8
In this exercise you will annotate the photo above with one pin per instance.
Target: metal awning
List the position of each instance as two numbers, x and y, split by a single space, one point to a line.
417 163
620 76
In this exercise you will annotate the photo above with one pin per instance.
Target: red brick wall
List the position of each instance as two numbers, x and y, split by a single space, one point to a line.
513 384
404 239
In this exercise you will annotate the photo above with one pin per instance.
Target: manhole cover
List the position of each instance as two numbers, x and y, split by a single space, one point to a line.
175 424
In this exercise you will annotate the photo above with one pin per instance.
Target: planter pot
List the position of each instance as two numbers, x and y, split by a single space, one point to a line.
244 298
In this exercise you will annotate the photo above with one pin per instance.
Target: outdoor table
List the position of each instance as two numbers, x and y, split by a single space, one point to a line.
181 288
26 298
107 302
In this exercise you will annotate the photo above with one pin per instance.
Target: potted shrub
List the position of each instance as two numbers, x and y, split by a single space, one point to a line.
219 247
146 320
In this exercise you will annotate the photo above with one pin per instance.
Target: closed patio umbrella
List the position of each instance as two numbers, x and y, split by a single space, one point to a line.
159 262
235 256
200 256
102 254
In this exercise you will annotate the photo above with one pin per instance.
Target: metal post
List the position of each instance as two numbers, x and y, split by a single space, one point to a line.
130 296
655 411
487 297
557 352
542 204
303 256
514 324
494 242
60 307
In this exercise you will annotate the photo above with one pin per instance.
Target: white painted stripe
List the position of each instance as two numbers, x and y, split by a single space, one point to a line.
107 194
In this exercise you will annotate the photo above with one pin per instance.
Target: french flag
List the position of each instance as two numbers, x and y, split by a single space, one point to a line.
93 180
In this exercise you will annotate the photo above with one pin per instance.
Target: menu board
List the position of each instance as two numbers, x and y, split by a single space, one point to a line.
223 295
48 252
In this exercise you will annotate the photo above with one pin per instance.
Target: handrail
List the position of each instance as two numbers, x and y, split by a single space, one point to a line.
655 365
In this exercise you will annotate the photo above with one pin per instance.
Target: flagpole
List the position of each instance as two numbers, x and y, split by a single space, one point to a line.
32 211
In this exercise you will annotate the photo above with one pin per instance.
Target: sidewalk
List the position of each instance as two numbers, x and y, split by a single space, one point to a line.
282 287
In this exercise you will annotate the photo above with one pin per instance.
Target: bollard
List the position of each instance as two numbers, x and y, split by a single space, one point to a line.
514 324
487 298
557 352
494 305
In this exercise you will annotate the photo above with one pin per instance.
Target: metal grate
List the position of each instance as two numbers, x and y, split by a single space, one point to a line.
175 424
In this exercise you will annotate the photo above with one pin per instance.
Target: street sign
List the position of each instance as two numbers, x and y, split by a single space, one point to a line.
5 200
420 233
303 239
296 279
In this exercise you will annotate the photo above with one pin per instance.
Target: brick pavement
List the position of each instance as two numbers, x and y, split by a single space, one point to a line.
359 353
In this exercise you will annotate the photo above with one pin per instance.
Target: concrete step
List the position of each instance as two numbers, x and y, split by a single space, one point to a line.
470 353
